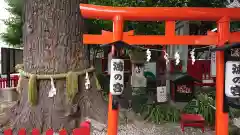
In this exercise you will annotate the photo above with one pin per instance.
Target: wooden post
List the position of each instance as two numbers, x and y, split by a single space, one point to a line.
114 112
221 116
8 67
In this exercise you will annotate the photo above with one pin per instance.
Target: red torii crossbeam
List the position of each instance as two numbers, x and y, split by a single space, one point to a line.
118 15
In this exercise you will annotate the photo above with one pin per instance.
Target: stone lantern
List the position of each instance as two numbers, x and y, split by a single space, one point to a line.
138 59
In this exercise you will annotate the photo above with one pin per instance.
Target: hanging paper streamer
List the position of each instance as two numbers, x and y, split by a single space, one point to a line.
166 57
177 58
87 81
148 53
192 53
53 90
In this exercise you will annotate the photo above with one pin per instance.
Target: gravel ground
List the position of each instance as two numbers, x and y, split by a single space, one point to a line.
139 127
143 128
155 130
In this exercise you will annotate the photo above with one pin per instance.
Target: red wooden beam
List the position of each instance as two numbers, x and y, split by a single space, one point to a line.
128 37
234 37
118 15
158 13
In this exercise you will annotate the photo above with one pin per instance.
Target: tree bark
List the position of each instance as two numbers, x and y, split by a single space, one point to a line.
53 44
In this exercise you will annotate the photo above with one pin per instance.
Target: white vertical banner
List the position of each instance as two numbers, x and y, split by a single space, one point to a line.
117 76
213 64
232 79
162 94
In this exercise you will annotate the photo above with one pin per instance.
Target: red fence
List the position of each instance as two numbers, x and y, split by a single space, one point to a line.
13 82
84 129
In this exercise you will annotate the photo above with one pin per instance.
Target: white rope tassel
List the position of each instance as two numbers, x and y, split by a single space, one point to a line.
87 81
166 57
148 53
53 90
192 53
177 58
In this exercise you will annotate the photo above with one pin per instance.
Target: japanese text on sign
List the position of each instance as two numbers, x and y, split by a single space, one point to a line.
232 78
236 70
117 77
183 89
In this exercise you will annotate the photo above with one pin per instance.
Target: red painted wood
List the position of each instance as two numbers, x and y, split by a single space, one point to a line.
63 132
49 132
8 132
192 120
22 132
84 129
35 132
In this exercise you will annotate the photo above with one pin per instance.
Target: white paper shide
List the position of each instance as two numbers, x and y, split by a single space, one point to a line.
117 77
53 90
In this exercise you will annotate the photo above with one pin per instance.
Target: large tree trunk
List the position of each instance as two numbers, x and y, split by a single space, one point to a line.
53 44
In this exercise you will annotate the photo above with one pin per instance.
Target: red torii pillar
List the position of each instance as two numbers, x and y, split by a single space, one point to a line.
118 15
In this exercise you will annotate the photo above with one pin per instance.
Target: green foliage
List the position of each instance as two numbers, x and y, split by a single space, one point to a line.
234 113
160 113
13 34
104 81
146 27
96 26
235 26
206 3
15 7
203 104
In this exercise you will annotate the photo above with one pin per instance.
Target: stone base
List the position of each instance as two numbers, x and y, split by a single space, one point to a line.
8 94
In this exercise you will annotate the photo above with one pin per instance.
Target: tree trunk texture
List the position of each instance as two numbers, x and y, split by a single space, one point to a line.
53 44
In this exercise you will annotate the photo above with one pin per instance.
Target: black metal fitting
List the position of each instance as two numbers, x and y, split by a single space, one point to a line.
115 103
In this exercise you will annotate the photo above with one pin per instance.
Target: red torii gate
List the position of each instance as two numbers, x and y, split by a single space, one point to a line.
118 15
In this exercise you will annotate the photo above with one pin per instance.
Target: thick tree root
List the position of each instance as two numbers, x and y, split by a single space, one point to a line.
55 112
